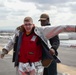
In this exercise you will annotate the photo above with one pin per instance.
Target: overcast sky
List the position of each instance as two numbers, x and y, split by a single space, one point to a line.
12 12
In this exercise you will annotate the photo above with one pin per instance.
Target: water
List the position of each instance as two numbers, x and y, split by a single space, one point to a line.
68 43
63 43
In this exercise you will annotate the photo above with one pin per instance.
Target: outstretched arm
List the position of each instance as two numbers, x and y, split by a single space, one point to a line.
51 31
8 46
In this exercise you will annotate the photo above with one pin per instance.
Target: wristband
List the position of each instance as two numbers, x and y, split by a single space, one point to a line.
4 51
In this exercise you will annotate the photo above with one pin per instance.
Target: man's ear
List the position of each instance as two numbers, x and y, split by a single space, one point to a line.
34 25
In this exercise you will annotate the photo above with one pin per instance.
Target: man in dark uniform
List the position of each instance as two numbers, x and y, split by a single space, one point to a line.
52 69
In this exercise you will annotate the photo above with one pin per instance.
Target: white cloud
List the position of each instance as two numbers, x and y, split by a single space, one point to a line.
12 12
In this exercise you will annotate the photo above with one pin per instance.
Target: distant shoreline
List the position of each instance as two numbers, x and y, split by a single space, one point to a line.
63 43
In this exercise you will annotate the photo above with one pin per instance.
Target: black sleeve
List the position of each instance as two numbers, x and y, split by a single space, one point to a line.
55 42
